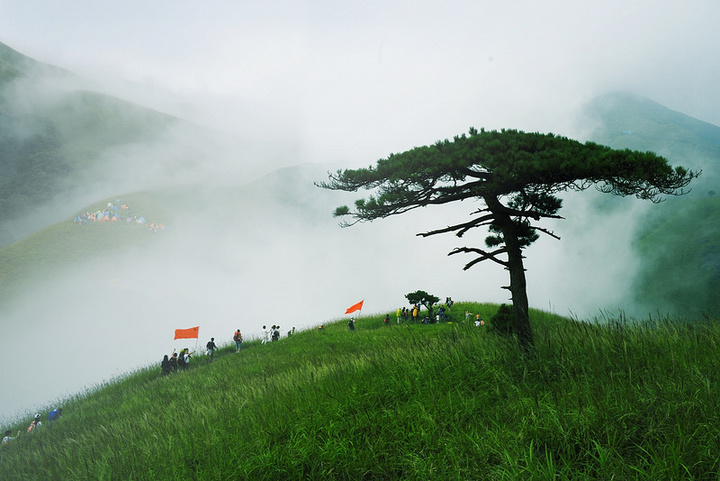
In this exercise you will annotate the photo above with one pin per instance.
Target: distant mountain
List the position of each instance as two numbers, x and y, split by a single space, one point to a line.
678 241
638 123
15 65
56 140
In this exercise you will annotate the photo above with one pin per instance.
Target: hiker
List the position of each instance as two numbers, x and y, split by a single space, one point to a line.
181 359
398 314
35 423
266 335
386 321
237 337
174 361
186 357
276 333
165 365
351 324
56 413
211 347
7 438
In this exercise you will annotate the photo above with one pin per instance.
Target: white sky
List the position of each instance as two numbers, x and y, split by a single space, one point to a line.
354 81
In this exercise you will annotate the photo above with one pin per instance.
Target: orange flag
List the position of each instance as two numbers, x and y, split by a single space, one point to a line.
191 333
355 307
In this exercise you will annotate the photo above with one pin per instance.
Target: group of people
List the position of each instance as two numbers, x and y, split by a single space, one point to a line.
176 362
36 423
181 361
403 313
273 334
479 321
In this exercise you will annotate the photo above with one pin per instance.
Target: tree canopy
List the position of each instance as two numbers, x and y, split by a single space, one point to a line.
517 175
422 298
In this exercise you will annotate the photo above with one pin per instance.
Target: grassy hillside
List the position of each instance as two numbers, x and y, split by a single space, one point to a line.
57 248
442 401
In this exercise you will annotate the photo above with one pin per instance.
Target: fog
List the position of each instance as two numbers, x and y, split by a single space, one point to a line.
309 88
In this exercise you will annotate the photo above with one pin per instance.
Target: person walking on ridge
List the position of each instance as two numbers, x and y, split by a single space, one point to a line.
237 337
34 424
174 361
165 365
211 347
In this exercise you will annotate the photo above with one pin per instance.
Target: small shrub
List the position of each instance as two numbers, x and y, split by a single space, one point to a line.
502 321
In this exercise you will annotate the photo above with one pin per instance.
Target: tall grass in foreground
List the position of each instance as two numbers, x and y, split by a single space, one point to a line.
439 401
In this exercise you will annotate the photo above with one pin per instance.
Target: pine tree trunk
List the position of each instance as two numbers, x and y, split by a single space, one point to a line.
518 284
518 291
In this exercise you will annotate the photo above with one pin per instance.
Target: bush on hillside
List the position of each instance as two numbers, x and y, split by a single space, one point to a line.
502 321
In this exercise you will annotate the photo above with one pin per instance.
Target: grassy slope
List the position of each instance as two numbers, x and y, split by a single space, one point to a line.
56 248
445 401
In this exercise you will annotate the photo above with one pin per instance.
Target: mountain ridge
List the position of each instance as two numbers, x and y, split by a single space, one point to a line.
22 65
676 241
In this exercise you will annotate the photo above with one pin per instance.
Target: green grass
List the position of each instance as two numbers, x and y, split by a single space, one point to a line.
58 247
603 400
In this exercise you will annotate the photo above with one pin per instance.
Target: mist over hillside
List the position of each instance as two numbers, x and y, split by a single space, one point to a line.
676 243
248 243
623 255
238 244
63 147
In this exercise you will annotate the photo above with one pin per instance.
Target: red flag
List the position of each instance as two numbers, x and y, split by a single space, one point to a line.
355 307
191 333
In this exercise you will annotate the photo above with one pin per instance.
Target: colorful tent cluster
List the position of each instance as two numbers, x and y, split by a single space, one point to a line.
115 212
